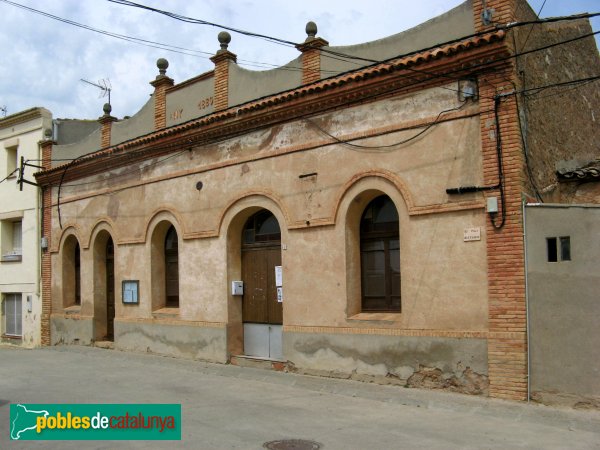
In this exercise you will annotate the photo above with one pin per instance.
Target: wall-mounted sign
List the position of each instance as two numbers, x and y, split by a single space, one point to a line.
131 291
472 234
278 276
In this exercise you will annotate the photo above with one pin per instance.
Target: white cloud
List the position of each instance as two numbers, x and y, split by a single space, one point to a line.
43 60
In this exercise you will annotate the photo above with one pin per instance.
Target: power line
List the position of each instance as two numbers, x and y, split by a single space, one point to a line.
348 142
205 22
148 43
531 29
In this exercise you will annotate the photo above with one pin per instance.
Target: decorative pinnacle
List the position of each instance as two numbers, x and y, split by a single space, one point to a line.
311 30
107 109
224 39
162 65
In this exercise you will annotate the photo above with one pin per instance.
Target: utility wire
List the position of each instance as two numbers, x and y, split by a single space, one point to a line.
531 29
325 50
149 43
205 22
348 142
9 175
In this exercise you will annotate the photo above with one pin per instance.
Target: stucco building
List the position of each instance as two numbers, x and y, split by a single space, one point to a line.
20 219
373 215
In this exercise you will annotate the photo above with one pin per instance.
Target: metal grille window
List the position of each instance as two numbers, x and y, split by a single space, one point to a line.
380 256
12 315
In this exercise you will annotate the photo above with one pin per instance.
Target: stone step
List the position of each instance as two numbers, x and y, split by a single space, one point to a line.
105 344
259 363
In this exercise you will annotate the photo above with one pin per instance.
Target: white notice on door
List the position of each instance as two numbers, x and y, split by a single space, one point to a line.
278 276
279 295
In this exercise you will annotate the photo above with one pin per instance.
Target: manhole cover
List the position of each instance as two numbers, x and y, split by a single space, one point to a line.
292 444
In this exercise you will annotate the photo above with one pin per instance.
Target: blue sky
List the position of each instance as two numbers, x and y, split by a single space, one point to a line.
43 60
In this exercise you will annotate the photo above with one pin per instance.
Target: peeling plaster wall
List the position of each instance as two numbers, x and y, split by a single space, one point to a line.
184 341
396 357
71 330
444 279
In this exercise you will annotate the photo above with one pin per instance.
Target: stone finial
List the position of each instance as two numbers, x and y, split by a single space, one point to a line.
162 65
311 30
224 39
107 109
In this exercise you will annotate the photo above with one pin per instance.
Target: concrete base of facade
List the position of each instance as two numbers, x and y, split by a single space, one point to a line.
457 364
71 330
562 399
179 340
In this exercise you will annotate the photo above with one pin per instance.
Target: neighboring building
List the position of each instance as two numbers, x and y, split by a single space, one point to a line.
563 275
373 214
20 135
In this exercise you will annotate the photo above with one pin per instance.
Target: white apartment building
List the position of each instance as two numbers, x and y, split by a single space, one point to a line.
21 300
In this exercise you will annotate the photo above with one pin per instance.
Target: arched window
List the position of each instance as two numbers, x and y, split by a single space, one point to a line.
261 228
172 268
77 260
380 256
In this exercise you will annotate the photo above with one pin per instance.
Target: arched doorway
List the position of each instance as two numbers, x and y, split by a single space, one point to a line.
262 310
171 268
110 290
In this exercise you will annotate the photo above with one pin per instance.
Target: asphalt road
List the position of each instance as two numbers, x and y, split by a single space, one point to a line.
228 407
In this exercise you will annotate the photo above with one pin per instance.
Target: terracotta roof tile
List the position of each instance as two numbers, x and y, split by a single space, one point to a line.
590 172
312 88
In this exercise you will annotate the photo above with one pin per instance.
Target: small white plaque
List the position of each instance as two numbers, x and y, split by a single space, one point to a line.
279 295
278 276
472 234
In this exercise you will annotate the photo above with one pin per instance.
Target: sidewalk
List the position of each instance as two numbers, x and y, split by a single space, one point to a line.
225 406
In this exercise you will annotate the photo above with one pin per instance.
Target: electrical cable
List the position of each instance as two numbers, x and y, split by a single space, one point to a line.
205 22
531 29
523 132
386 146
152 44
500 165
9 175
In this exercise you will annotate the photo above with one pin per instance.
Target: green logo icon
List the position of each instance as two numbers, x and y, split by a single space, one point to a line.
95 422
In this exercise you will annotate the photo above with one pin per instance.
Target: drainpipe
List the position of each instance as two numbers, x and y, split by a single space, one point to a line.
524 206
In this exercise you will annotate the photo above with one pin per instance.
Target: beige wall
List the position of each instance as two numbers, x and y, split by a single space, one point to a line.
444 281
23 130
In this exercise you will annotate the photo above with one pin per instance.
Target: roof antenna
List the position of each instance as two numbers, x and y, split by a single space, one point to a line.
104 85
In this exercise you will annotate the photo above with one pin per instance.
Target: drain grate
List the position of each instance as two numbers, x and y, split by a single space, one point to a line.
292 444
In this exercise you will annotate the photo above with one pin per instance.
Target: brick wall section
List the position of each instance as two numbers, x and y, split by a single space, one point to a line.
504 12
161 84
46 256
311 66
507 339
221 77
221 85
311 59
106 122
